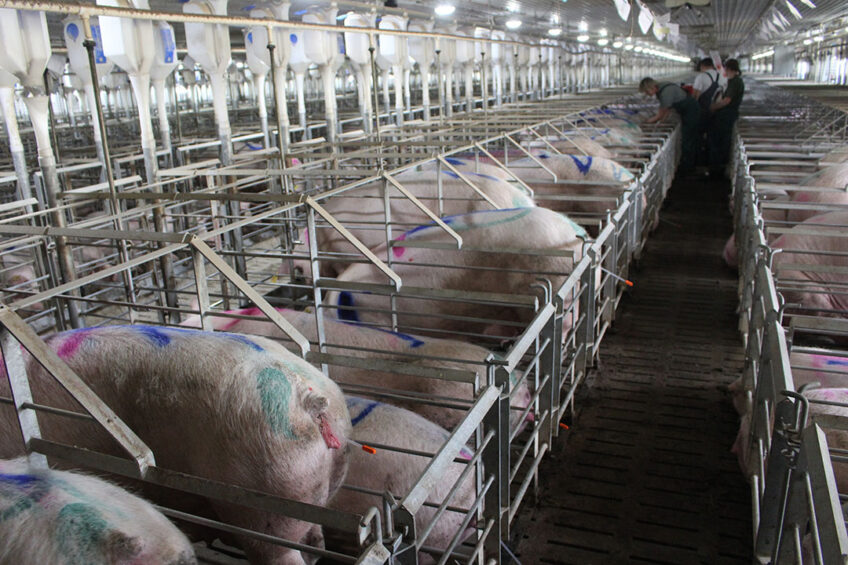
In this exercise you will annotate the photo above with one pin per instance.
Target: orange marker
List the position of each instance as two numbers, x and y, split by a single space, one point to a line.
625 281
369 449
563 426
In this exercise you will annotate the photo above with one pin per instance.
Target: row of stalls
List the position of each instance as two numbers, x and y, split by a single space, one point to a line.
220 225
790 227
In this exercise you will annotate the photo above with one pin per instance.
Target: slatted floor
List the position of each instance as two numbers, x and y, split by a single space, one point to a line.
645 475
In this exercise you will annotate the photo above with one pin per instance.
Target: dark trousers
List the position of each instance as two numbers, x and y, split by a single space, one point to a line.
690 120
720 138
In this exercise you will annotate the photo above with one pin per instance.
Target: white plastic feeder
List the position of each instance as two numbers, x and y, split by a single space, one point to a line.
163 65
259 61
511 62
356 47
16 147
209 46
392 54
446 61
127 43
299 64
523 68
326 50
497 59
532 69
26 50
423 51
483 60
465 61
78 58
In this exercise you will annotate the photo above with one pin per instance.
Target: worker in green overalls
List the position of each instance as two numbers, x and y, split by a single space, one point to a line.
725 112
672 97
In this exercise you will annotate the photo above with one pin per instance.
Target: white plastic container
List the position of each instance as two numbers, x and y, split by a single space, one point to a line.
446 61
422 50
326 49
465 61
78 58
16 147
163 65
356 47
256 42
299 64
209 46
127 43
483 60
497 59
393 53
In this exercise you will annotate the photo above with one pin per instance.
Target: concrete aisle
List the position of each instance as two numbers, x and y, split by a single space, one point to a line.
645 475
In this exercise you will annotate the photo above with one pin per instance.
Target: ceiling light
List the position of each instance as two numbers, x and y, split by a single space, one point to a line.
512 6
638 48
513 24
583 38
808 3
819 38
603 32
793 9
444 10
762 55
555 32
583 26
617 44
628 47
603 41
808 41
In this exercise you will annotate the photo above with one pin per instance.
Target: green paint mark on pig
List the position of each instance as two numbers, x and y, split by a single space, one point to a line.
275 393
81 533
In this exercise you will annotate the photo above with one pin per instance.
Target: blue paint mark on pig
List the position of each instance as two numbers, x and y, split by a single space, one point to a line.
364 407
582 166
345 312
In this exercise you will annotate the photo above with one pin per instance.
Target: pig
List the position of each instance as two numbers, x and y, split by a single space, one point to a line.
836 155
575 144
221 406
65 518
834 176
485 235
366 205
813 366
836 438
19 279
813 289
372 343
771 216
584 169
396 473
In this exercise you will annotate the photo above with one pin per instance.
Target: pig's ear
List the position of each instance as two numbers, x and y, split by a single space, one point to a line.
121 548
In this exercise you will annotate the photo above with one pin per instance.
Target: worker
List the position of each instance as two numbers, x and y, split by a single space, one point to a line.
672 97
725 113
707 88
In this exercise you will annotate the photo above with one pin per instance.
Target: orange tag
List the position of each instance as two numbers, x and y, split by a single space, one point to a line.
369 449
563 426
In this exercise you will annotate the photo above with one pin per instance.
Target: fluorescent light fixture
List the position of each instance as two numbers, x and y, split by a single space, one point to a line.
603 32
808 3
808 41
793 9
819 38
444 9
763 55
555 32
603 41
617 44
638 48
583 26
583 38
628 47
513 24
512 6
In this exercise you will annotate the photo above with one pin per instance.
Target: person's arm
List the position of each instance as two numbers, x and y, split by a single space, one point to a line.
661 114
718 105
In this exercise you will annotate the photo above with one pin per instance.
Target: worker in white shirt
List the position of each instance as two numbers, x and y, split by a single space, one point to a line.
707 89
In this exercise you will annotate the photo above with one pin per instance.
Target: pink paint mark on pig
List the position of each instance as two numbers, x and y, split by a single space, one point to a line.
230 324
802 197
465 454
399 251
327 433
70 346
